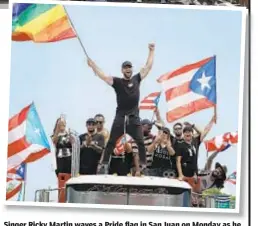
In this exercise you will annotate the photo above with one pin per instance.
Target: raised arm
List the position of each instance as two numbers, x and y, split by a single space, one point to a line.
158 117
210 160
199 132
208 128
145 71
100 73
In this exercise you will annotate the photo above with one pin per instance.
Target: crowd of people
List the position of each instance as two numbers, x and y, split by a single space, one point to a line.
170 154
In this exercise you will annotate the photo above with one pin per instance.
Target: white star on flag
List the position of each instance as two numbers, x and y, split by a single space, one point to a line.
204 81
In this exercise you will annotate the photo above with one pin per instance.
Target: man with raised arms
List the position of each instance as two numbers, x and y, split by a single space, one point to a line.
127 91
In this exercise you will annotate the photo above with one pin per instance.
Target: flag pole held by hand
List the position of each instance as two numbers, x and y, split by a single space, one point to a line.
72 25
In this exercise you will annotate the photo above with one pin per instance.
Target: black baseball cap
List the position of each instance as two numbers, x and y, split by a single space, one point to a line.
188 129
126 64
223 168
91 120
146 122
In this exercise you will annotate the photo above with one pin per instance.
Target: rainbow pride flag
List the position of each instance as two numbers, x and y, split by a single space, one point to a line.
40 23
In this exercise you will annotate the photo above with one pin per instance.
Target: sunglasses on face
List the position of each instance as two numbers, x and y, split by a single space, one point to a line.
99 122
178 128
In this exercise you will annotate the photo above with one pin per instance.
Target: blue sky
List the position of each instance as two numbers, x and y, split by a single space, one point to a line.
56 77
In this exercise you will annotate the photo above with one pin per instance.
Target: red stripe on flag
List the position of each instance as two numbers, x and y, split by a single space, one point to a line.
147 101
9 179
37 155
183 70
17 146
13 192
177 91
188 109
155 94
231 181
147 107
19 118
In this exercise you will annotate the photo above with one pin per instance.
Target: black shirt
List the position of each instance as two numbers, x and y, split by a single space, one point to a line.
127 95
189 153
161 158
89 156
174 142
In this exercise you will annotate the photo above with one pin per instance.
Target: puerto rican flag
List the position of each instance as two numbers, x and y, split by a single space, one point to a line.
150 102
190 88
15 178
221 142
232 178
119 148
27 140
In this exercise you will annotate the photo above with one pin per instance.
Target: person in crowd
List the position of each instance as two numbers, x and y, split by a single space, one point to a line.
127 91
186 161
207 179
213 178
63 146
100 121
199 136
187 151
92 146
162 150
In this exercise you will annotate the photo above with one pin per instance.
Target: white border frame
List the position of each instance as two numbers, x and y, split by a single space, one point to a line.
240 111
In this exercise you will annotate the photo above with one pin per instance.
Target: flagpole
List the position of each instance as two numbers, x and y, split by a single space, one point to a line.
83 48
79 39
24 183
152 119
215 107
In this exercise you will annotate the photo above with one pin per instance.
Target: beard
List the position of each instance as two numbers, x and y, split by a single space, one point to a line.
178 135
128 75
214 174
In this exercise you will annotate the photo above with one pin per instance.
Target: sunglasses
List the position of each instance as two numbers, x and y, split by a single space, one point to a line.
177 128
99 122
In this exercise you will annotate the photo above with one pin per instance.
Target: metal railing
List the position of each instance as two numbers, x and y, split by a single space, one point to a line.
212 201
43 195
75 168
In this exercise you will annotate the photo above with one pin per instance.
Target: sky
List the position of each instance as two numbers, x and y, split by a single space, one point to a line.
56 76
